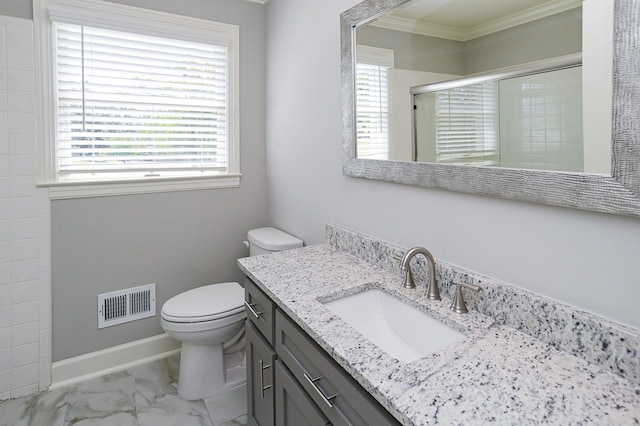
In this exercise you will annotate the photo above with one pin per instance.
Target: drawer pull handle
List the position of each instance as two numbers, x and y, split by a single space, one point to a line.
312 382
262 386
250 306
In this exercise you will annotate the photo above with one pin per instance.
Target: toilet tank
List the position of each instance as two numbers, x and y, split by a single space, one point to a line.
270 240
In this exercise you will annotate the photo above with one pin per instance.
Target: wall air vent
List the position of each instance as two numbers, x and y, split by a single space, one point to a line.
126 305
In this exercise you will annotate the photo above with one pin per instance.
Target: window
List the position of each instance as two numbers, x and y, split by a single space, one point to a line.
530 120
467 125
372 102
372 111
136 100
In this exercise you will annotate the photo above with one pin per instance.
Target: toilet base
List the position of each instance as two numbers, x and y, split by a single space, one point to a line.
204 372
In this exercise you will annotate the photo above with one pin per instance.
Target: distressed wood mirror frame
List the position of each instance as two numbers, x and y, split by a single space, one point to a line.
617 194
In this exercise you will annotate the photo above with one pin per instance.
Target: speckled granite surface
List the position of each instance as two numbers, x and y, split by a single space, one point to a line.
499 374
592 338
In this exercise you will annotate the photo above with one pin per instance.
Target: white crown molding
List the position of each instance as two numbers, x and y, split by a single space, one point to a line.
415 26
451 33
257 1
375 55
530 15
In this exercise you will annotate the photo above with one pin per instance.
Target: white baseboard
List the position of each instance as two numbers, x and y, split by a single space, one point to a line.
95 364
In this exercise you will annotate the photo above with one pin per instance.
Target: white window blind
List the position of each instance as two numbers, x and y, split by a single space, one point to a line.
372 111
467 125
138 105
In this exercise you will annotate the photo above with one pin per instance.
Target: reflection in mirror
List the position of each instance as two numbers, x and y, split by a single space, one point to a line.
612 92
530 116
526 117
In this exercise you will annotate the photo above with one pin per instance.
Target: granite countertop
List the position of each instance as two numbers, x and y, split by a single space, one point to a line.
497 375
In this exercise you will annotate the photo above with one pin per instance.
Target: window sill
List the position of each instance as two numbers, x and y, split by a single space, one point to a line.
88 189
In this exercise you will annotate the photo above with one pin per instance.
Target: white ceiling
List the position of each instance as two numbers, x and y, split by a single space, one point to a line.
466 19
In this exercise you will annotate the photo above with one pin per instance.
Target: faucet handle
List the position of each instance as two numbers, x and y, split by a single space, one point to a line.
458 305
397 255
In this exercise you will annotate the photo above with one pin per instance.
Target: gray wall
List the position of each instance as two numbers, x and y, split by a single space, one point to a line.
582 258
17 8
177 240
416 52
550 37
556 35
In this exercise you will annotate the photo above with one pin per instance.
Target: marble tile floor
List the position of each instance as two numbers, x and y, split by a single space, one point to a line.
144 395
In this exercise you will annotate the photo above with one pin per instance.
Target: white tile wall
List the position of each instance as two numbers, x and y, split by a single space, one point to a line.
25 241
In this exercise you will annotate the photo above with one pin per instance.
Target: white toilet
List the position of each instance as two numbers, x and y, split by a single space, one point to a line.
209 321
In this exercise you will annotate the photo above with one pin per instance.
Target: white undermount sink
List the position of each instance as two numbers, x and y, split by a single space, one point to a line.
397 328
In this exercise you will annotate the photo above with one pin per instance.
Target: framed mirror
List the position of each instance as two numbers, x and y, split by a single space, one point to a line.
616 191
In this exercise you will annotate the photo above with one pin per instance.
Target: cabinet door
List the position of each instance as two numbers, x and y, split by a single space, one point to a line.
339 396
293 405
260 378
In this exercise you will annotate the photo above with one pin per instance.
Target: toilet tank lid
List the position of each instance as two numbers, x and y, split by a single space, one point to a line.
270 238
205 301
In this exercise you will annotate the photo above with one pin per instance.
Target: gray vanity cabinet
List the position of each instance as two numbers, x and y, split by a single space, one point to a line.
293 406
260 378
339 397
260 310
303 383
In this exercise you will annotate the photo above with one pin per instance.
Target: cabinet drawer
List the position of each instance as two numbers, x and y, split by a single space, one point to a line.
337 394
293 405
259 309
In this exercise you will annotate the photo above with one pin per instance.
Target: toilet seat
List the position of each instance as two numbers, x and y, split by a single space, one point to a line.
207 303
206 318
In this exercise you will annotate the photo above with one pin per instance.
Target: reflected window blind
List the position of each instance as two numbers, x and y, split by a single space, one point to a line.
139 105
467 120
372 111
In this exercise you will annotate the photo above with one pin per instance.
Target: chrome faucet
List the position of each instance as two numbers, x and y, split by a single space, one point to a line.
432 291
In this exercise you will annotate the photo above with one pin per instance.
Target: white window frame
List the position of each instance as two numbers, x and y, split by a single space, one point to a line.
126 18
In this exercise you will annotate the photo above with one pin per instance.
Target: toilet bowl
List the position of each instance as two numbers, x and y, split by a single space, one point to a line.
205 320
209 321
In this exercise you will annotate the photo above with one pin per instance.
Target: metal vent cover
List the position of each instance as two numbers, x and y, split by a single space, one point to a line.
118 307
